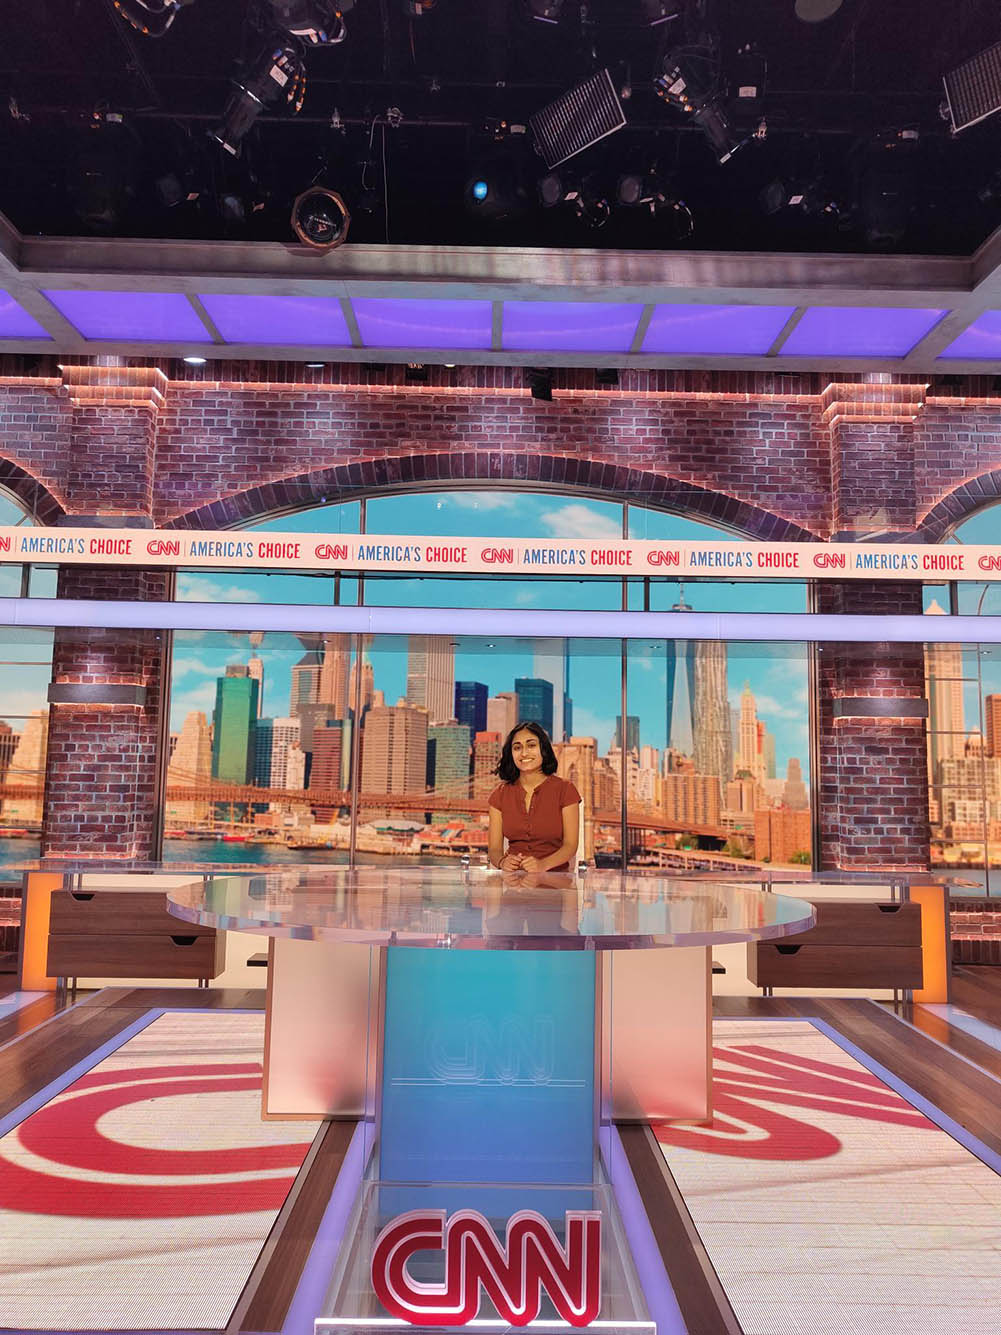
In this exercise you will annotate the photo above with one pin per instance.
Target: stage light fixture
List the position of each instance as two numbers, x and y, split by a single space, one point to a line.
557 188
973 90
318 22
151 19
320 218
496 191
545 11
690 82
277 71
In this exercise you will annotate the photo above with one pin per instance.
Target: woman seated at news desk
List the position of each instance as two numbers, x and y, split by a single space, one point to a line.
533 810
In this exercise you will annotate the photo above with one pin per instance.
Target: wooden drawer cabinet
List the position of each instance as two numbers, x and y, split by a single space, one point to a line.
855 943
127 934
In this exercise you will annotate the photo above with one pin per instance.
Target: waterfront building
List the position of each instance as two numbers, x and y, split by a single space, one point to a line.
27 769
450 766
712 752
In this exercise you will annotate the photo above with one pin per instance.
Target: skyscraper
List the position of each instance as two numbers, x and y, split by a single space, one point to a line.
431 676
675 650
992 724
232 726
535 701
274 739
471 705
328 763
190 765
747 734
632 733
944 688
450 776
8 745
335 663
502 713
549 663
255 669
486 758
711 744
305 681
394 749
794 794
27 768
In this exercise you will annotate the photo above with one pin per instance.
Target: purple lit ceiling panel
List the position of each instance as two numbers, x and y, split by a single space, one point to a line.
141 317
981 342
736 331
570 326
859 331
288 320
15 322
402 323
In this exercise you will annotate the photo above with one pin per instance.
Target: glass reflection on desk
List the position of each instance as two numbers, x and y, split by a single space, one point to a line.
479 909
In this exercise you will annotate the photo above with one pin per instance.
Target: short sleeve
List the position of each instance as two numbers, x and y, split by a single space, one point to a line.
570 796
496 798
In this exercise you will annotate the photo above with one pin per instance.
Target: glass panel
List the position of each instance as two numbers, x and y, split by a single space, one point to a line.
43 581
493 591
25 671
10 581
260 756
717 754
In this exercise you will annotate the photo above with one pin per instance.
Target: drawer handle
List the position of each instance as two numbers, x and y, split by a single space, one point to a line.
81 896
184 940
889 908
787 950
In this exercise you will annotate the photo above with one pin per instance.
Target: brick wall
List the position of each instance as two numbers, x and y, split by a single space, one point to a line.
790 457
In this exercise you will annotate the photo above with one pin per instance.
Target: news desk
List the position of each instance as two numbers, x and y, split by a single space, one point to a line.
487 1032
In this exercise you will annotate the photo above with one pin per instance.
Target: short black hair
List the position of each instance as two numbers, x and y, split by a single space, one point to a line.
508 770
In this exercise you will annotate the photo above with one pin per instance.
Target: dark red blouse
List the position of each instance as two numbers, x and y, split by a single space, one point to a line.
537 830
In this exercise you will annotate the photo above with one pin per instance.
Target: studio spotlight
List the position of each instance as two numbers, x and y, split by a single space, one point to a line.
690 82
153 18
320 218
639 190
415 8
556 188
318 22
887 189
496 191
277 71
546 11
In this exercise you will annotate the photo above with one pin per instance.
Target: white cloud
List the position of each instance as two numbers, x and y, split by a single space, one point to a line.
182 703
583 524
204 589
483 500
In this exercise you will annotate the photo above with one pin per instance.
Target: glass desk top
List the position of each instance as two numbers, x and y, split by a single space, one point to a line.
477 909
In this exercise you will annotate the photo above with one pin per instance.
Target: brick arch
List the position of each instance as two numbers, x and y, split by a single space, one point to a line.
433 472
959 505
32 495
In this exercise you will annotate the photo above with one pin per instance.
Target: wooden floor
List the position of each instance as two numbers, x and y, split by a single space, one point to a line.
953 1070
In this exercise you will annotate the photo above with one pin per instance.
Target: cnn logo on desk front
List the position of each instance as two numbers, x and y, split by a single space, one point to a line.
512 1275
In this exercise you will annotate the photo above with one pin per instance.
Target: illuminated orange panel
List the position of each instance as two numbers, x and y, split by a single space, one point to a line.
934 901
35 931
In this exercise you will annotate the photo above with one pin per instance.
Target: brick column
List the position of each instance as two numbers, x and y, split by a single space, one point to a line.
102 764
873 767
872 454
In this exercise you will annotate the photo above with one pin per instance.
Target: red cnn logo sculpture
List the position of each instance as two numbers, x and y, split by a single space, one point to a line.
512 1276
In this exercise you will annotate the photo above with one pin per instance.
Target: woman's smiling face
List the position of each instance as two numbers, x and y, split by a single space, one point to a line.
526 751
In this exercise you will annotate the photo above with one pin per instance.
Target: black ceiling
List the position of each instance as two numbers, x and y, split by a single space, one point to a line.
838 95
